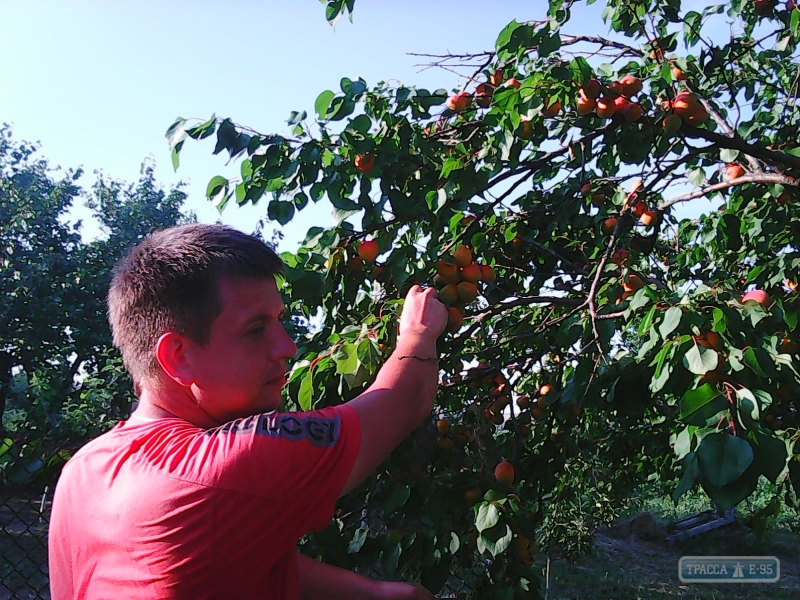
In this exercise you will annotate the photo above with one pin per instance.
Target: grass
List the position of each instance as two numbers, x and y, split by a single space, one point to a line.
630 568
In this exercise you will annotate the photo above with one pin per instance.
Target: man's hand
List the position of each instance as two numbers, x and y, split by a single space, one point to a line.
424 318
403 591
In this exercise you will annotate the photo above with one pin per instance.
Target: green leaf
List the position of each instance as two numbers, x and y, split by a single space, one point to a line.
504 37
450 165
176 132
794 23
770 454
691 471
176 151
397 498
696 176
322 103
749 412
697 406
436 199
672 318
305 396
217 184
700 360
280 211
683 442
728 155
720 321
487 516
346 359
723 458
581 70
359 537
498 540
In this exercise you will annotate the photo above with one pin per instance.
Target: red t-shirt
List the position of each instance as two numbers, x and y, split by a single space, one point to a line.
165 509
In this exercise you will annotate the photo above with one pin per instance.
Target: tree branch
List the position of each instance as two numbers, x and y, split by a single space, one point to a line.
761 178
737 143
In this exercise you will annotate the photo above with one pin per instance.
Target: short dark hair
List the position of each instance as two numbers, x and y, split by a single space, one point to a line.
170 282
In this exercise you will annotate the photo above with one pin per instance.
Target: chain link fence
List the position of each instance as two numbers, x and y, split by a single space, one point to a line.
28 471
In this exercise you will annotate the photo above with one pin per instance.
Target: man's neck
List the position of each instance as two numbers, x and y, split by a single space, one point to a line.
165 403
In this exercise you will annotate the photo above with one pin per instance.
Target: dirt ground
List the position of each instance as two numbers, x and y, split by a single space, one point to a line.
629 567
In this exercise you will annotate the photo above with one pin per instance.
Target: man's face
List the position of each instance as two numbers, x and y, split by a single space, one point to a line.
242 368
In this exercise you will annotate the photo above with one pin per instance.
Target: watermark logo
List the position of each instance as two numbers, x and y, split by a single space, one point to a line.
729 569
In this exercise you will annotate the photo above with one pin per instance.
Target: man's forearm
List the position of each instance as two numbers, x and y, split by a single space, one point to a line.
318 580
412 372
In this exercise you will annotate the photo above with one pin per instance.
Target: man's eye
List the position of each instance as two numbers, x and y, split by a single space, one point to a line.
255 331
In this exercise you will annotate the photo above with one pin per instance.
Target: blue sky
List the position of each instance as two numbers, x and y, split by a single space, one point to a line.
98 83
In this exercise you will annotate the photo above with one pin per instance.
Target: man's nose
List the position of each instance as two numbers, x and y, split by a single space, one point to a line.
285 348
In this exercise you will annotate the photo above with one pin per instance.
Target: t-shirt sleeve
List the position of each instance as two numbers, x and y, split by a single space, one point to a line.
298 461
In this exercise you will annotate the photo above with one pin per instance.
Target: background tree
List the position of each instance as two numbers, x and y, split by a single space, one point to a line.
60 376
613 339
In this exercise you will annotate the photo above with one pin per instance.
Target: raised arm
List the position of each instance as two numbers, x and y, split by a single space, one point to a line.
405 388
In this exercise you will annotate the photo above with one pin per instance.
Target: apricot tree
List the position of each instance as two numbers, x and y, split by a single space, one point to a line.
617 339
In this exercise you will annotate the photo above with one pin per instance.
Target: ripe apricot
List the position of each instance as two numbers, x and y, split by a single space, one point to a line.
592 89
523 402
454 319
449 273
734 171
443 425
605 108
487 274
473 495
467 291
449 293
759 296
633 283
631 85
462 256
355 263
364 162
368 250
622 257
609 225
459 102
586 105
445 443
648 218
471 273
483 95
552 109
504 473
632 112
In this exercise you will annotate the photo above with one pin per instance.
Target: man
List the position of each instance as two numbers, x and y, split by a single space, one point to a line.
205 490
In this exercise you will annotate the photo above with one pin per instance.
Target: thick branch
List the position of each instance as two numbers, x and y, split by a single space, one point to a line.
761 178
737 143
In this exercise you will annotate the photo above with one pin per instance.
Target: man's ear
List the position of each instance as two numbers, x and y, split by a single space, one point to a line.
171 355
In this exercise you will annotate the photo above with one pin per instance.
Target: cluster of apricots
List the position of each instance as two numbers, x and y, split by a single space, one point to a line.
615 98
457 283
484 92
686 106
767 8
